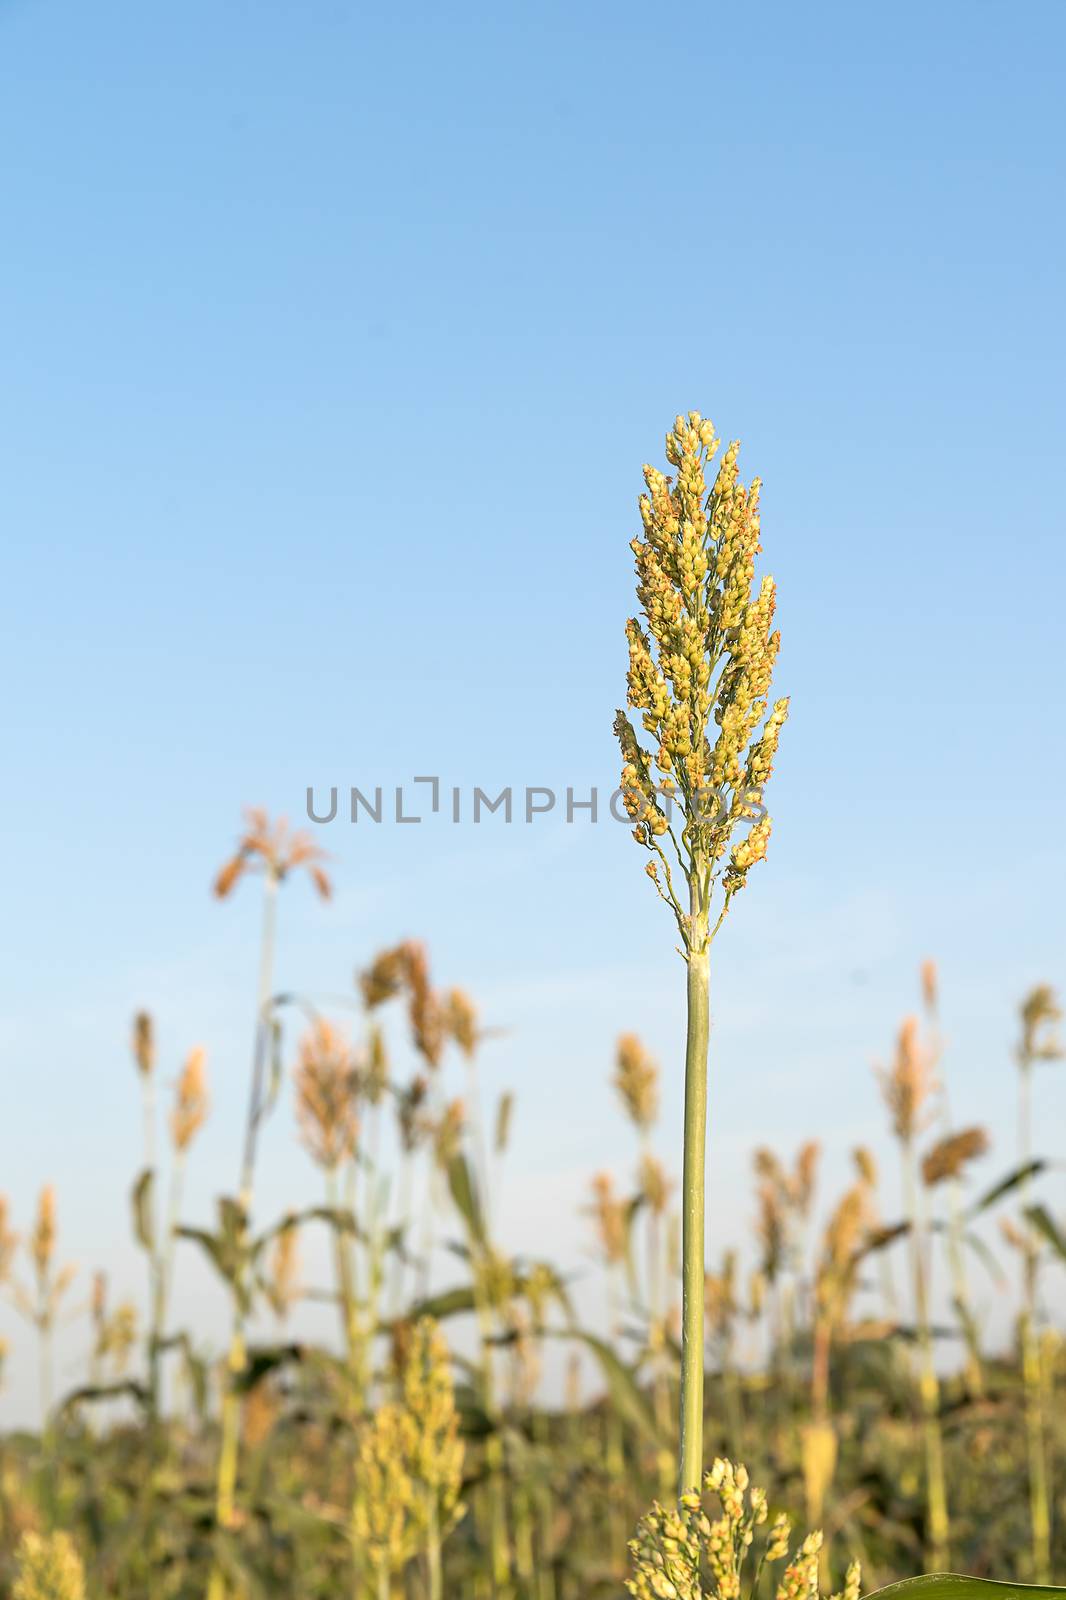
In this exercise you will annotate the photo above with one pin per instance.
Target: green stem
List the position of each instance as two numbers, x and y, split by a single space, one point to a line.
433 1561
692 1238
346 1287
928 1385
229 1448
261 1042
545 1519
1039 1499
162 1273
614 1440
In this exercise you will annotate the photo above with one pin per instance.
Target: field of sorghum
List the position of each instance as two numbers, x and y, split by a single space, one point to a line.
403 1461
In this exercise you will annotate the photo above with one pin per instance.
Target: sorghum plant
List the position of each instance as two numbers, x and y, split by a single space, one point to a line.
410 1467
682 1555
274 853
1040 1015
956 1255
907 1087
700 664
41 1307
49 1568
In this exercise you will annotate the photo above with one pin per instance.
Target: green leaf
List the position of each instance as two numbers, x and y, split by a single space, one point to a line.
881 1238
626 1395
263 1359
629 1216
225 1256
276 1075
196 1367
127 1388
953 1586
449 1303
504 1111
1045 1224
339 1217
1020 1175
232 1221
553 1280
141 1202
463 1186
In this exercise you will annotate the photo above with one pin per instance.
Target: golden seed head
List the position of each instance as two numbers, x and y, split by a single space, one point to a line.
283 1283
144 1043
654 1185
836 1274
376 1072
410 1457
701 658
42 1241
425 1008
259 1413
908 1084
117 1335
414 1124
951 1154
429 1394
608 1214
327 1096
1040 1013
494 1279
865 1165
387 1516
780 1537
270 848
636 1079
191 1103
769 1169
462 1024
802 1189
384 978
929 986
448 1132
8 1240
48 1567
674 1547
800 1579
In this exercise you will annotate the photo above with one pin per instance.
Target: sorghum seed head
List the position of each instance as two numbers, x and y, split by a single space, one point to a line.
636 1079
190 1101
908 1084
144 1043
951 1154
327 1096
48 1567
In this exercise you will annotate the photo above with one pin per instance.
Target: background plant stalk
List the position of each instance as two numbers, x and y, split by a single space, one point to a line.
928 1384
1039 1498
229 1448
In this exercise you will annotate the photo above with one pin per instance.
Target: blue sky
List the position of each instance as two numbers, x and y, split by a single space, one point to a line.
333 342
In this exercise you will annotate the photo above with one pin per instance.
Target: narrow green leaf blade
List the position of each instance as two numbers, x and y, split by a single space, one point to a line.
1028 1169
954 1586
463 1188
1048 1228
141 1204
